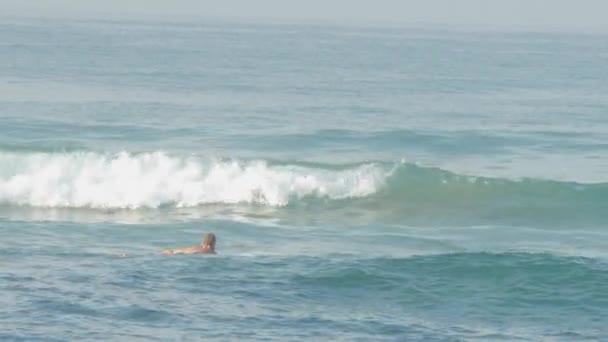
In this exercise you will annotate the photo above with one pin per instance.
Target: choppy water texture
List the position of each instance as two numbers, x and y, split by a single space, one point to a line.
364 183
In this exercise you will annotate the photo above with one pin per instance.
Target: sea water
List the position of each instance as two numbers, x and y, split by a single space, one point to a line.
364 183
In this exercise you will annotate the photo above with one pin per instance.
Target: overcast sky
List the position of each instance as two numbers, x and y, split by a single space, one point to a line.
562 15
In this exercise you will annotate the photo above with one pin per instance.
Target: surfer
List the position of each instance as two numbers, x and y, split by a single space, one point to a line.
206 247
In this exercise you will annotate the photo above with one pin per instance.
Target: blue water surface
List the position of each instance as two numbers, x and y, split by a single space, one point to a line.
364 183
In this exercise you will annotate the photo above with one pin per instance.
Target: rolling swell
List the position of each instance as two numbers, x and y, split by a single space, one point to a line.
431 192
519 274
81 179
523 286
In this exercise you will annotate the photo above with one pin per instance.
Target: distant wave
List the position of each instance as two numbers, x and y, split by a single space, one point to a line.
84 179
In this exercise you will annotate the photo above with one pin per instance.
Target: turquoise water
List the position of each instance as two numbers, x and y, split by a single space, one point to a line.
364 183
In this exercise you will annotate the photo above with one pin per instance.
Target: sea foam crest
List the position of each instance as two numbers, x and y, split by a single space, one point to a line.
126 180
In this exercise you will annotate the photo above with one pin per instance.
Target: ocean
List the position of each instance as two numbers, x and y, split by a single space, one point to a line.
364 183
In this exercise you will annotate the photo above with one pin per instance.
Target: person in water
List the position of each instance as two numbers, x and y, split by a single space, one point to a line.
206 247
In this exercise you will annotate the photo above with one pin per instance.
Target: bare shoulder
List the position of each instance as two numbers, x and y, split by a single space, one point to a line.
180 250
203 250
189 250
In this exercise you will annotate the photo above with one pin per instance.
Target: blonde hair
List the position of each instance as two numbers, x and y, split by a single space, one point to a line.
209 240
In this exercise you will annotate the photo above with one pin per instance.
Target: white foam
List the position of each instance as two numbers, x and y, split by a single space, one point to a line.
126 180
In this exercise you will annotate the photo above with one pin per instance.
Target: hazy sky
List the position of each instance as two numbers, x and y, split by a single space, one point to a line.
542 14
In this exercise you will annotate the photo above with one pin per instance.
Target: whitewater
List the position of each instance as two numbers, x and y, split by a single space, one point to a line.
363 183
91 180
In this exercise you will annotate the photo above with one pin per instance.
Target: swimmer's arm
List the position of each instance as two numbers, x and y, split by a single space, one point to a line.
182 250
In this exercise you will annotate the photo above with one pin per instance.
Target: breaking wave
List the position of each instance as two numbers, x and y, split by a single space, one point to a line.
85 179
127 180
